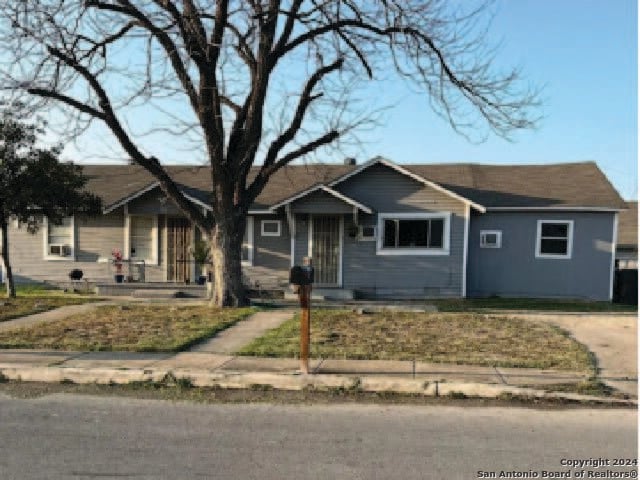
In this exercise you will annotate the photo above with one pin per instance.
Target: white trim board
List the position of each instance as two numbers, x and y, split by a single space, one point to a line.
465 253
249 227
556 209
614 243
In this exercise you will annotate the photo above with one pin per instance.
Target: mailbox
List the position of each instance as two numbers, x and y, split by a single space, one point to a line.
301 275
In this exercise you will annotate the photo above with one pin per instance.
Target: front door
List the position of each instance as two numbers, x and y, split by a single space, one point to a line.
178 243
326 249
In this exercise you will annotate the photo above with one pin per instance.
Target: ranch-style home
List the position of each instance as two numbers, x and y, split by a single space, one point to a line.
374 230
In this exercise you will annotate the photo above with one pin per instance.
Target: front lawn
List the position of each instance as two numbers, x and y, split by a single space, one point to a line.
538 304
20 306
463 338
135 328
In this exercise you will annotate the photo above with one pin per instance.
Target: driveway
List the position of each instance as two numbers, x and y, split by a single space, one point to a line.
612 338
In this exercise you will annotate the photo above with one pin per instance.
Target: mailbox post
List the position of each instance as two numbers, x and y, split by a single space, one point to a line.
301 278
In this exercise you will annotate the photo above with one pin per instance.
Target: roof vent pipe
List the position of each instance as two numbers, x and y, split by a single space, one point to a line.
350 161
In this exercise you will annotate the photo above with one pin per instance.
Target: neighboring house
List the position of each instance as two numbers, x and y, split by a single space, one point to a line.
377 229
627 244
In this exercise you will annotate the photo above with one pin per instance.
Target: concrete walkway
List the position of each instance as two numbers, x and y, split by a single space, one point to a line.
51 315
613 338
233 339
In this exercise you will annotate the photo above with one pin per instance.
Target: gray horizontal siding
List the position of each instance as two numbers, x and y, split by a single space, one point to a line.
152 203
271 252
321 202
412 276
95 238
513 270
301 245
387 191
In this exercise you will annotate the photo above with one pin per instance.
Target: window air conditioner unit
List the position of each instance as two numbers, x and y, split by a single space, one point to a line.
60 250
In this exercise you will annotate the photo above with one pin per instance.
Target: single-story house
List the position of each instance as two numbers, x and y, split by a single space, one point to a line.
377 229
627 244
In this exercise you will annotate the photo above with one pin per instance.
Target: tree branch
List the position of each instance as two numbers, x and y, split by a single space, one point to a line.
265 172
305 100
72 102
167 44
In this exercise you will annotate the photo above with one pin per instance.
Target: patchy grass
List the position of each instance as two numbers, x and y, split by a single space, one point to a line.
11 308
591 386
463 338
37 298
496 303
136 328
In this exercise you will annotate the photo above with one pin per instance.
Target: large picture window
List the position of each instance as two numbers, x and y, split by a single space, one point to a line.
554 239
413 234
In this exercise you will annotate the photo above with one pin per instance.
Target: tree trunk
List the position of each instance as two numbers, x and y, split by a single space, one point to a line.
11 288
226 253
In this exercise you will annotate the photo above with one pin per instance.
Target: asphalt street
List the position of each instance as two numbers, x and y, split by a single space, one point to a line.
66 436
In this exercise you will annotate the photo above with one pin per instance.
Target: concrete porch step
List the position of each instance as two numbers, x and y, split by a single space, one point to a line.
152 290
159 293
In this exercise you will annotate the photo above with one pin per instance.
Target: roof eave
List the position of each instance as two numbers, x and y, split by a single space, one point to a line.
560 208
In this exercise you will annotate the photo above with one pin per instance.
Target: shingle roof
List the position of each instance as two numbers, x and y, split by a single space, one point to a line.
628 225
555 185
116 182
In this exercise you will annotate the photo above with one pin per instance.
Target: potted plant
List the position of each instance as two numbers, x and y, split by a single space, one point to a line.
200 251
117 263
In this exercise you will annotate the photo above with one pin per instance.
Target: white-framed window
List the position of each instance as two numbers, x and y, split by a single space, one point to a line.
141 238
413 233
270 228
247 243
59 240
490 238
554 239
366 233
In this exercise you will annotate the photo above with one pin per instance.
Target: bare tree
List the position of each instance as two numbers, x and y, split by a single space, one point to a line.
231 67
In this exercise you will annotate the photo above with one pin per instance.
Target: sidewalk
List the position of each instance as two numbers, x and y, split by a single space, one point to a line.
213 363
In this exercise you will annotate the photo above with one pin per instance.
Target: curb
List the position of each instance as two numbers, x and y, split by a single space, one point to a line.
251 380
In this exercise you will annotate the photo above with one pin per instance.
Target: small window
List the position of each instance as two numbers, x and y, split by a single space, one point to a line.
554 238
270 228
59 240
366 233
490 239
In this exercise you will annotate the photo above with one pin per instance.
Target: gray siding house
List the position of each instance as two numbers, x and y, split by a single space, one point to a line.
376 230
